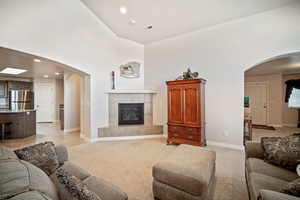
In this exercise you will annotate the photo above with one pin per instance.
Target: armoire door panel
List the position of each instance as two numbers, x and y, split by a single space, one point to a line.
175 105
192 105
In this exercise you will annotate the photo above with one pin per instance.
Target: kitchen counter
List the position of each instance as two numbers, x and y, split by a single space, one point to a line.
23 123
16 111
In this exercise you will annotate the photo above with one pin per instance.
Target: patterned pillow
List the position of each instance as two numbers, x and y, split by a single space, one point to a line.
282 151
42 155
293 188
71 188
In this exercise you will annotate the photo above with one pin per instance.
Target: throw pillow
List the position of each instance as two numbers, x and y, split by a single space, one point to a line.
293 188
282 151
42 155
298 170
71 188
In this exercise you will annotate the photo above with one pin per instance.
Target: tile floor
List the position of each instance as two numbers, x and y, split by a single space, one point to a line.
46 132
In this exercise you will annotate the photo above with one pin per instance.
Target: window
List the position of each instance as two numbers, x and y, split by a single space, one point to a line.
294 101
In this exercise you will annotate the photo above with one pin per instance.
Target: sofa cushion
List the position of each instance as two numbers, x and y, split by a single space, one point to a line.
282 151
19 176
75 171
261 167
259 182
32 195
293 188
70 187
6 153
104 190
14 178
42 155
188 168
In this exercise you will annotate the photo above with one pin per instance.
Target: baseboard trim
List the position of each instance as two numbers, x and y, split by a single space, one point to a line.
226 145
71 130
275 125
291 125
108 139
87 139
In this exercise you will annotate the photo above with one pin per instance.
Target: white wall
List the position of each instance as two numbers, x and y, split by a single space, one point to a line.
67 32
72 104
221 54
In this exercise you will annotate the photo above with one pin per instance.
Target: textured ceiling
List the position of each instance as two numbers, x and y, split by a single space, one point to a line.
173 17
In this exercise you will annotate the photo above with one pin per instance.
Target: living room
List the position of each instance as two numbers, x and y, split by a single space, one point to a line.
218 40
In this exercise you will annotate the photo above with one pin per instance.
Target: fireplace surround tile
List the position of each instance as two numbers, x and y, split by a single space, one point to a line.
115 130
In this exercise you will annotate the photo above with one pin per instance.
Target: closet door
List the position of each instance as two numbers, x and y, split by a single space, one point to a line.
192 105
175 102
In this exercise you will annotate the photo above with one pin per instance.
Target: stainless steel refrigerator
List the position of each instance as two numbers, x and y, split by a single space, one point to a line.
21 100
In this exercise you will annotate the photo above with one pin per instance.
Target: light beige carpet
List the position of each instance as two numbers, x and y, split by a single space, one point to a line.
128 164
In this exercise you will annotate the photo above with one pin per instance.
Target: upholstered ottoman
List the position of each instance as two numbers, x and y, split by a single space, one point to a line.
186 174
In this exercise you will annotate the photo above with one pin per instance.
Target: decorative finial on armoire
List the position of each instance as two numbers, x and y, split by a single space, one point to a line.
188 75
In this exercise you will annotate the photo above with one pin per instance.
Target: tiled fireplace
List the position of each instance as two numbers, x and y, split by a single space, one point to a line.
130 114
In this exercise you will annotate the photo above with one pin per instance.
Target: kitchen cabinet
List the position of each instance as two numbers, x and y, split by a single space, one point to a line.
19 85
23 123
3 89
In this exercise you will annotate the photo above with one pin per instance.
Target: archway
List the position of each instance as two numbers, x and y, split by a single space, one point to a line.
49 75
266 112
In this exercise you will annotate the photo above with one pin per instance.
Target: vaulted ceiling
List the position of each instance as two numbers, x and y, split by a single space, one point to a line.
20 60
173 17
289 64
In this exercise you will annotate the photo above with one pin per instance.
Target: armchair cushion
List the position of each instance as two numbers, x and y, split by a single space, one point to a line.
293 188
272 195
261 167
254 150
259 182
282 151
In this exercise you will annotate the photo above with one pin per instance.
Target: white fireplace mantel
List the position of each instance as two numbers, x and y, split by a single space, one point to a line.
131 92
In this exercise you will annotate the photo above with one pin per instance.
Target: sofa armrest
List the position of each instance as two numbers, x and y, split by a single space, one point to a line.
254 150
105 190
272 195
62 154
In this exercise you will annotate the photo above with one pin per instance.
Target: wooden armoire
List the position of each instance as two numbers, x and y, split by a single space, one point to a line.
186 119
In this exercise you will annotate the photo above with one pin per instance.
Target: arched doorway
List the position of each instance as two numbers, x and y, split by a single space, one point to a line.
60 96
266 111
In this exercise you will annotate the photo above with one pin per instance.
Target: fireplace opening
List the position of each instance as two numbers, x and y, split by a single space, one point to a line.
131 113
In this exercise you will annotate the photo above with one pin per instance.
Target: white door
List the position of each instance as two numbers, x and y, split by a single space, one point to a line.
44 102
257 92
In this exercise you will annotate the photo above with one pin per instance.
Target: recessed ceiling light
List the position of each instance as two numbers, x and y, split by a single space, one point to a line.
132 22
46 76
10 70
149 27
123 10
36 60
57 73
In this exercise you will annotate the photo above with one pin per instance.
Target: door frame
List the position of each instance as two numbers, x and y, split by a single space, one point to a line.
267 85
